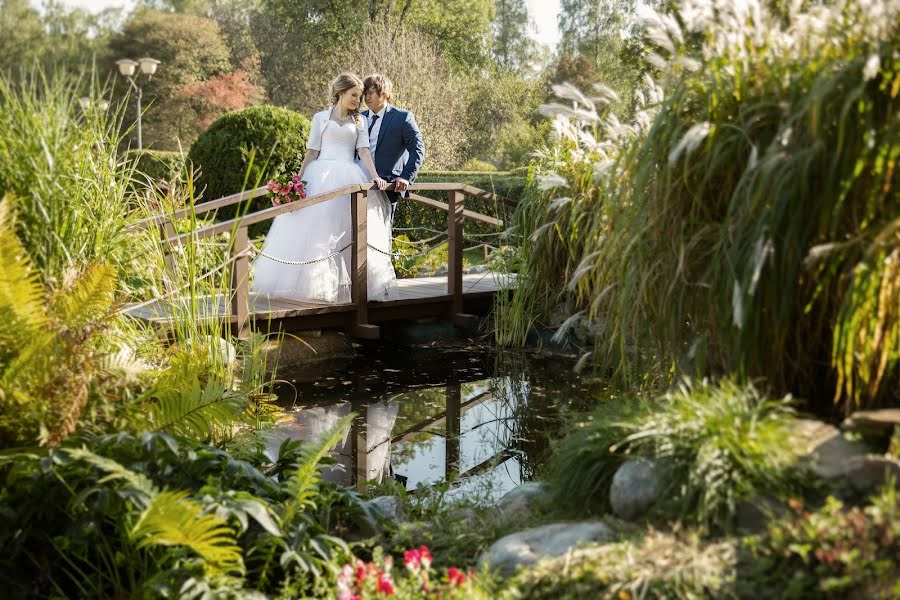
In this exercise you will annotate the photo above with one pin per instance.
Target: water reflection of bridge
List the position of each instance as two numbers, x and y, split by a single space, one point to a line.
434 421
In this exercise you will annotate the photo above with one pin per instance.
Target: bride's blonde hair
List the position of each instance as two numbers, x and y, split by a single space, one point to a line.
342 83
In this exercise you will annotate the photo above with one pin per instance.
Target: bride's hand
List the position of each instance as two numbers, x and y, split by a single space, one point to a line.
381 183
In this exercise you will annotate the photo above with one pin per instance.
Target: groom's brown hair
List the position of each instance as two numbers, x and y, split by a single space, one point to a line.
381 84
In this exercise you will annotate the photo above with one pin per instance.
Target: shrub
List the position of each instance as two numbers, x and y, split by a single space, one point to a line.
244 148
153 512
834 552
716 444
657 566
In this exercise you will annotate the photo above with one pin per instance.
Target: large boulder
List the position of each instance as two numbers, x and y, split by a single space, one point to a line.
531 545
522 500
388 508
869 472
874 422
635 488
825 448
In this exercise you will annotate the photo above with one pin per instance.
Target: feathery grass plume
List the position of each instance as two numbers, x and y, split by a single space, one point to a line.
707 216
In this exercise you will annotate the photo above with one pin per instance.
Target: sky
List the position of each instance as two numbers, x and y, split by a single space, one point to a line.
543 12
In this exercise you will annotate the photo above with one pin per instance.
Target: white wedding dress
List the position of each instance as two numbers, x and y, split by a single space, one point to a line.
321 230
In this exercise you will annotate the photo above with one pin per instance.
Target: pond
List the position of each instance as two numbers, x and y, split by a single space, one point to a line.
479 418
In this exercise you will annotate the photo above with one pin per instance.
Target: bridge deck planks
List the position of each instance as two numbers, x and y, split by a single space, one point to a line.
419 290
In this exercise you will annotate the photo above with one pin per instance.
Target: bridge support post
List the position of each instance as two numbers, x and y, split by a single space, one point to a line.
455 260
359 288
240 284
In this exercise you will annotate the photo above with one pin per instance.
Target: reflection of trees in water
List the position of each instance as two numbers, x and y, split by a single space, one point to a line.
541 394
515 413
415 407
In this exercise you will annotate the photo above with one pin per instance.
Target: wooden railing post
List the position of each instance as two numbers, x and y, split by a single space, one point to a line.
240 283
167 231
359 286
455 260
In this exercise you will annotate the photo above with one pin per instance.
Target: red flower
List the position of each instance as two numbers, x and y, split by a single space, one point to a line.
360 572
412 560
455 576
384 584
425 556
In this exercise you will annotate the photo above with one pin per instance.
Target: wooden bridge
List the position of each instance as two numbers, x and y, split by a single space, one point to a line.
456 297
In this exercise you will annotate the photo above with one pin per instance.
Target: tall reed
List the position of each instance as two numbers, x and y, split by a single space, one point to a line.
62 160
746 221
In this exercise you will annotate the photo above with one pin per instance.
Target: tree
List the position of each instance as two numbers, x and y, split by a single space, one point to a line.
298 42
60 38
513 49
423 84
597 45
460 28
191 51
207 100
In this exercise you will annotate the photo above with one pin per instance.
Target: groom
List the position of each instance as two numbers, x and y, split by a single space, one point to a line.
394 138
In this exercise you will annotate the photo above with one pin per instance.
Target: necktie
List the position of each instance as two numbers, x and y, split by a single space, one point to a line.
372 124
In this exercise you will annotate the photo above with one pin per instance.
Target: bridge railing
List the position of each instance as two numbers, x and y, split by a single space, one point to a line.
240 248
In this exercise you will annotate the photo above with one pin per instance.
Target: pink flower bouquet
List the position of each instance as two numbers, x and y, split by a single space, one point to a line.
286 189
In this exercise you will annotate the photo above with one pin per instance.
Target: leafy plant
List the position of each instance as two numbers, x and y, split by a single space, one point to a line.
41 328
715 443
171 519
656 565
835 551
154 511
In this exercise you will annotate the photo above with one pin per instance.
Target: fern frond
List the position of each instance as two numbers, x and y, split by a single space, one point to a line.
305 481
21 293
196 411
171 519
87 298
114 470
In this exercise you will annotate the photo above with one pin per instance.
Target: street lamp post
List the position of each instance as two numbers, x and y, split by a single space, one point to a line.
127 68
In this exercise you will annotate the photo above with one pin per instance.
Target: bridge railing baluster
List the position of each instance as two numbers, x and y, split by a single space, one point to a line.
455 217
239 283
359 285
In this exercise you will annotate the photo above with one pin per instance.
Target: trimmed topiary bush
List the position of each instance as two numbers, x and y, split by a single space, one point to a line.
222 153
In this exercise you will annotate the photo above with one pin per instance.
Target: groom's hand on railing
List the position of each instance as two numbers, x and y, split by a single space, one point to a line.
400 184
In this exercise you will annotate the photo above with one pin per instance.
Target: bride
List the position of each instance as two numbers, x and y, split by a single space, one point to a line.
317 233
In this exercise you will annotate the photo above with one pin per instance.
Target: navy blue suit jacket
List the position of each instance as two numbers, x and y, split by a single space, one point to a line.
400 150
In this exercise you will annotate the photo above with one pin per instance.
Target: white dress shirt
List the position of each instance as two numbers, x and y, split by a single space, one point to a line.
373 135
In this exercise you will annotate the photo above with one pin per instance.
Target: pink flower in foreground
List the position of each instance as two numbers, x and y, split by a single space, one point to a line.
384 584
425 556
455 576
